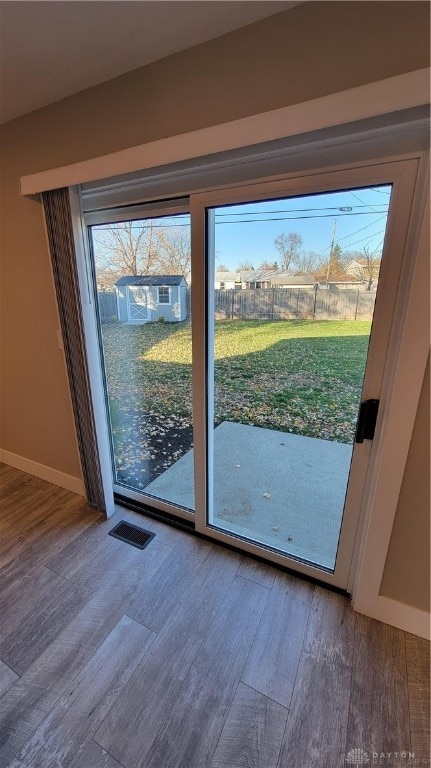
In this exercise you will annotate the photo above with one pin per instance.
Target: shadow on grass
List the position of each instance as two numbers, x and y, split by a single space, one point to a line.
308 386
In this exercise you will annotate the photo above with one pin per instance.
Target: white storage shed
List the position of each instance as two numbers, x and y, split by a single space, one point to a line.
147 298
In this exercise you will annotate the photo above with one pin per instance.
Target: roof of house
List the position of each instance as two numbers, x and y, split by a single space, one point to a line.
235 276
151 280
279 277
361 261
293 280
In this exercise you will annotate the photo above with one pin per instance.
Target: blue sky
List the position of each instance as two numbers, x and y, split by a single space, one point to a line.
312 217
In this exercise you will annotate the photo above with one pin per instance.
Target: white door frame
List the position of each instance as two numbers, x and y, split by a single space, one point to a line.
402 173
408 354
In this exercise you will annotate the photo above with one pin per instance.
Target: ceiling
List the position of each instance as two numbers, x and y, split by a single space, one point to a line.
52 49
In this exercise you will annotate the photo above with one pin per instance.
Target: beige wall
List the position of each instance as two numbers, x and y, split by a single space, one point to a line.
310 51
407 571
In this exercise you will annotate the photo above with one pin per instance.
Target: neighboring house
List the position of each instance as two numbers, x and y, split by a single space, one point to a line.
286 280
227 281
361 269
146 298
341 281
258 279
355 266
278 278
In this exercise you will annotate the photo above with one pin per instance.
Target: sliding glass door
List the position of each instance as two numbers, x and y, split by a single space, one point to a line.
143 280
289 349
243 337
301 281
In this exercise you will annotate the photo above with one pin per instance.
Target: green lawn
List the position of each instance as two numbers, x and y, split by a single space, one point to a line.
297 376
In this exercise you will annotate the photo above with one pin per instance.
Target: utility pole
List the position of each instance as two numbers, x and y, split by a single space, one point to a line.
330 252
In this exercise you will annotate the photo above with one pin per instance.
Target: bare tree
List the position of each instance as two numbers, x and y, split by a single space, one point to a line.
348 256
288 246
173 251
368 267
126 248
269 266
106 278
140 248
245 266
307 262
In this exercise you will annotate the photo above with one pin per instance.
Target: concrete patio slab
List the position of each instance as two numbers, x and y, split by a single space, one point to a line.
283 490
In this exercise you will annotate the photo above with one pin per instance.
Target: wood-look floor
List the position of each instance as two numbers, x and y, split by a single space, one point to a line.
185 654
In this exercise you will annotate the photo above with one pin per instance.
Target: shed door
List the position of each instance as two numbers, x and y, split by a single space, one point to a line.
138 302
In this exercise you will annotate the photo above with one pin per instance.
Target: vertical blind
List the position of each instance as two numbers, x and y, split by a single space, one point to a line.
58 219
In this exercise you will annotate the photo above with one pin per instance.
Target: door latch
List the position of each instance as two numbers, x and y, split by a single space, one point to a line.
367 420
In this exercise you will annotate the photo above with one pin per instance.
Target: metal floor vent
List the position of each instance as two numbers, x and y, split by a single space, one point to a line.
131 534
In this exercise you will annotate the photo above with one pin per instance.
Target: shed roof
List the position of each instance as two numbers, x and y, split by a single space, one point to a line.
151 280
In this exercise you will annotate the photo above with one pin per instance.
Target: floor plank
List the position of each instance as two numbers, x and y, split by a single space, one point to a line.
23 517
418 680
261 573
29 702
34 547
252 733
379 708
204 699
274 657
55 606
22 710
65 733
22 597
7 678
156 606
317 724
132 724
13 481
96 757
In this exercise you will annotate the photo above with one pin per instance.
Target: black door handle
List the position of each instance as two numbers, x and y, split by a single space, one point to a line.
367 418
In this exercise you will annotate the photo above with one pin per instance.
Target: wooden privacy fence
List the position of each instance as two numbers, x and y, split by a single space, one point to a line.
290 303
275 304
107 305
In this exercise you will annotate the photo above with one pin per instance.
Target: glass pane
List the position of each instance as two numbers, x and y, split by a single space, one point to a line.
294 289
143 280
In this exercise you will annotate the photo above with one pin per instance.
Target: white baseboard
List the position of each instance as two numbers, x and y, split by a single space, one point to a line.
398 615
74 484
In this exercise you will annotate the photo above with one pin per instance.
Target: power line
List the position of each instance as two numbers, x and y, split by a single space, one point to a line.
300 210
367 238
110 228
361 230
296 218
380 191
262 213
251 213
361 201
357 232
